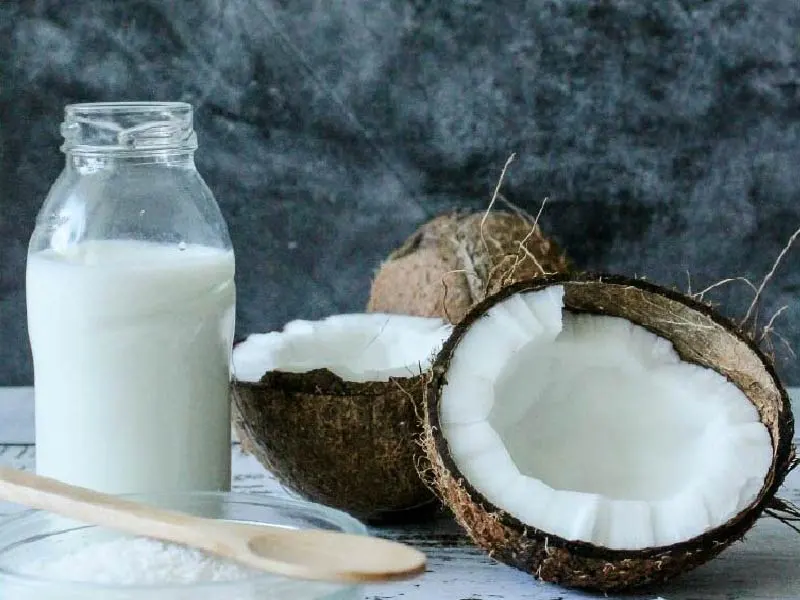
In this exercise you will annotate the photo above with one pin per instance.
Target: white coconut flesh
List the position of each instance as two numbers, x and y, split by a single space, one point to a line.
591 428
356 347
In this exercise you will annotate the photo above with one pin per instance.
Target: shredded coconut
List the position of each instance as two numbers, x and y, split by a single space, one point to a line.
136 561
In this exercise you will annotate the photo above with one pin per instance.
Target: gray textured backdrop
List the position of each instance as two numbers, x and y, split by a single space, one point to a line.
666 133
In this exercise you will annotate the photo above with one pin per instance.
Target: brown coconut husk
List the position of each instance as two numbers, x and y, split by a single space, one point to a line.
751 322
456 260
343 444
701 336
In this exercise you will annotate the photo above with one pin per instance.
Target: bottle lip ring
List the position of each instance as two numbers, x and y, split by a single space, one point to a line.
76 107
128 128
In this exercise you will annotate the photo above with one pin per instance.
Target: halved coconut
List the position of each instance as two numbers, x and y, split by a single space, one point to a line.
456 260
333 408
602 432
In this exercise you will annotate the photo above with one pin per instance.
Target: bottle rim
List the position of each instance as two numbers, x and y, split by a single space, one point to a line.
129 128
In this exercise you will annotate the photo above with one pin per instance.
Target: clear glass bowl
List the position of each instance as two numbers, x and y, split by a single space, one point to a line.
34 535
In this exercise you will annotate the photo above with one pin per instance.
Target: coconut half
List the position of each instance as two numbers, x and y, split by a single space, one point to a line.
602 432
332 409
456 260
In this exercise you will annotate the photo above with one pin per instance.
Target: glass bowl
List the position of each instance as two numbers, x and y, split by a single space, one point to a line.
36 535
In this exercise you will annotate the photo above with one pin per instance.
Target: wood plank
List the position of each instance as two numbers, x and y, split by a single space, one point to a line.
16 415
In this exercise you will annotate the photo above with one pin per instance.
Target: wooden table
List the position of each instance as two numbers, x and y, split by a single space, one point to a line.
765 566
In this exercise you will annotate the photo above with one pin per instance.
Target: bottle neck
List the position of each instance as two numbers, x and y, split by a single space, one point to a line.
143 132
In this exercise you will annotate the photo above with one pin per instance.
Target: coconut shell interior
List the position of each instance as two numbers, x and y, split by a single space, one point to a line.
700 335
353 446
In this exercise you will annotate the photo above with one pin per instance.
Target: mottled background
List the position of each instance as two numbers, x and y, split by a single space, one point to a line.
665 133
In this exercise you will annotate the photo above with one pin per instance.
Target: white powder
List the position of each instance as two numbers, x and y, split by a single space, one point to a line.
137 561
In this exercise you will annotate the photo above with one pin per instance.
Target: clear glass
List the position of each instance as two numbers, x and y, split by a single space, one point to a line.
131 307
35 535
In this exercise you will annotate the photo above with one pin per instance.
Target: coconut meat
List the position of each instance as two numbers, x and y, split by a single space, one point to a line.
592 428
356 347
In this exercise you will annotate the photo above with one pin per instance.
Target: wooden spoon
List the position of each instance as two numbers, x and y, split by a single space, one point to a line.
302 554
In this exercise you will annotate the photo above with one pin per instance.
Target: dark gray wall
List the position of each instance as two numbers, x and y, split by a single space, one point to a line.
665 133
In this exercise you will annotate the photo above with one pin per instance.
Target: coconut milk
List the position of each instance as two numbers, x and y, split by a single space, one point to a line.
131 344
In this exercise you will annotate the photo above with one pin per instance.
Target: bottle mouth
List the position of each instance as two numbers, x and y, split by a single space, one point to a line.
128 128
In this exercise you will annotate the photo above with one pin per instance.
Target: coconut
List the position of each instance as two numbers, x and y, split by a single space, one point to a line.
456 260
603 432
332 408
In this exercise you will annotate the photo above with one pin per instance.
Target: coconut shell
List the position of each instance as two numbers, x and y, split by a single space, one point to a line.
700 335
456 260
352 446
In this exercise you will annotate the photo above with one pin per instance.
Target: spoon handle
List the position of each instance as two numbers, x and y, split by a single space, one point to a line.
96 508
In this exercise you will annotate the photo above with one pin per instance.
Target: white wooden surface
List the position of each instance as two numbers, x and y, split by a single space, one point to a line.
765 567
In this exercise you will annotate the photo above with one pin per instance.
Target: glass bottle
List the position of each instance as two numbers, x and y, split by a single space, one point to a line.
131 307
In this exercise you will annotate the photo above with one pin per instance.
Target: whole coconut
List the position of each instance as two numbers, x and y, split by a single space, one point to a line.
456 260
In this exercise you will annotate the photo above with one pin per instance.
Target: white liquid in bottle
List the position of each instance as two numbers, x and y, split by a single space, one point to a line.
131 344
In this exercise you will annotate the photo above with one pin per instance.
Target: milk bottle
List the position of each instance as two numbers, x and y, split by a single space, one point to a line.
131 308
